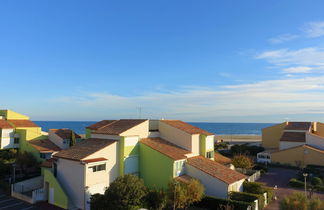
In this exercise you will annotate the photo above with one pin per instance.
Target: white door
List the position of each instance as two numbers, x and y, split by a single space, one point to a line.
51 196
131 164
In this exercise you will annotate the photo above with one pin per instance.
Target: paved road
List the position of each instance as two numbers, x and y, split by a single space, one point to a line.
281 177
7 202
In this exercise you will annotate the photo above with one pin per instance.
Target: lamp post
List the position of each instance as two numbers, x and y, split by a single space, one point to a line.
305 175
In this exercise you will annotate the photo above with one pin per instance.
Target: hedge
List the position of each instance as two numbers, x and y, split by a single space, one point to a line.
258 188
248 197
210 202
296 183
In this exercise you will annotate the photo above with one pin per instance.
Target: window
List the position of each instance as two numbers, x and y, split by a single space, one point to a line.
96 168
16 140
42 155
210 154
178 168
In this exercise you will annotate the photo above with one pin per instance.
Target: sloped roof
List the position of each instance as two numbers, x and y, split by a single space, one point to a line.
44 145
84 149
222 159
166 148
23 123
119 126
5 124
305 146
65 133
94 160
100 124
293 136
298 126
215 169
186 127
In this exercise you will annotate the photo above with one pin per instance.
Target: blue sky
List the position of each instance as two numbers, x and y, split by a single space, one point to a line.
219 61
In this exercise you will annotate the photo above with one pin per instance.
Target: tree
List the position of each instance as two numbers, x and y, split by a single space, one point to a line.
126 192
316 181
242 161
156 199
26 160
72 140
182 195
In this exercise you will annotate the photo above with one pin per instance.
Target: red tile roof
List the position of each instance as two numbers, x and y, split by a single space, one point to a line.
222 159
5 124
47 163
305 146
94 160
84 149
44 145
166 148
298 126
100 124
118 126
65 133
23 123
293 136
186 127
215 169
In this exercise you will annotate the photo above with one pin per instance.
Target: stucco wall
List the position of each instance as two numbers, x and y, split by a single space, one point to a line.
7 139
289 144
111 172
213 186
320 129
314 140
141 130
58 141
176 136
70 175
103 136
271 136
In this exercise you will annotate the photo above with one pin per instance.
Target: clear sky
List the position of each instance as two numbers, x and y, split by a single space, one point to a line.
218 61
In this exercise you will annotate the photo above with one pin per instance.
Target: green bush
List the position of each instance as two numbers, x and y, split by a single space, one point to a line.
253 187
319 188
316 181
269 192
299 201
210 202
156 199
296 183
247 197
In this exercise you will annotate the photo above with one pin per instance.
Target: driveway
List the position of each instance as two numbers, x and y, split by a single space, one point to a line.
281 177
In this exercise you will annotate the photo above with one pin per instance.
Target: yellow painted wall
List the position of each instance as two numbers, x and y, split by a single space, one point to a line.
320 129
303 155
11 115
141 130
271 136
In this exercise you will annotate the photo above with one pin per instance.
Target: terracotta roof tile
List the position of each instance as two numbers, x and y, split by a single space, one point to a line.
118 126
65 133
23 123
44 145
298 126
293 136
84 149
222 159
5 124
306 146
215 169
94 160
100 124
186 127
166 148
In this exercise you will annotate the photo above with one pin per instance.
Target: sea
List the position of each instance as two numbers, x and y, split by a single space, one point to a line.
217 128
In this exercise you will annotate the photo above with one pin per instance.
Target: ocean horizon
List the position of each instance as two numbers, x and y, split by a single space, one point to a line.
217 128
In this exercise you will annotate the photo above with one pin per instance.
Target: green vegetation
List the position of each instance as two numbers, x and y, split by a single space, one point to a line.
246 150
156 199
210 202
248 197
242 161
298 201
258 188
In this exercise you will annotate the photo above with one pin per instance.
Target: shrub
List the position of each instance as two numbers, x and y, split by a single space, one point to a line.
248 197
296 201
242 161
98 202
269 192
296 183
316 181
319 188
156 199
253 187
210 202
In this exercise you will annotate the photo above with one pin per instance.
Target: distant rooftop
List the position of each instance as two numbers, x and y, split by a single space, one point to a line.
44 145
117 127
298 126
65 133
5 124
293 136
186 127
23 123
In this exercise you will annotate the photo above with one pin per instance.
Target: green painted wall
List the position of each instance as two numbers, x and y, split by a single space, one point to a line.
60 197
202 140
121 156
156 169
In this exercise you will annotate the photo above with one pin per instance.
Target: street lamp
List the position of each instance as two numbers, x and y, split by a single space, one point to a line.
305 175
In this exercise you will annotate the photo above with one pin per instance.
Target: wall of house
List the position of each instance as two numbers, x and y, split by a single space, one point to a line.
319 129
177 136
141 130
7 139
60 197
289 144
156 169
213 186
11 115
206 145
70 174
315 140
298 156
110 152
271 136
58 141
236 186
24 146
